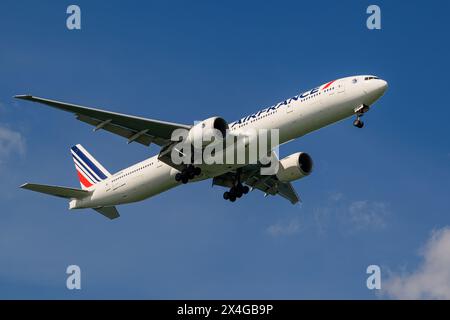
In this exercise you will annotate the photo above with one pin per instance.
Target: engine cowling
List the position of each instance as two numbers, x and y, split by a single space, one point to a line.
200 134
294 167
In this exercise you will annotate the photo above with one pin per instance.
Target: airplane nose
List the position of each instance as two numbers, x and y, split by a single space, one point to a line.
384 84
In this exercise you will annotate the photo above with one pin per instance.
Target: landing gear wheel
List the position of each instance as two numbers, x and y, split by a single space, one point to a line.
358 123
188 173
359 112
238 190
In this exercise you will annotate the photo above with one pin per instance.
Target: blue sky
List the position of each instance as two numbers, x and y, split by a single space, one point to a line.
377 196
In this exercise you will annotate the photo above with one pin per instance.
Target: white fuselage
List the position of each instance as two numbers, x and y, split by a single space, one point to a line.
295 117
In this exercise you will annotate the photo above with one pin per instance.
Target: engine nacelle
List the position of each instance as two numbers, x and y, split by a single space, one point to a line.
294 167
202 132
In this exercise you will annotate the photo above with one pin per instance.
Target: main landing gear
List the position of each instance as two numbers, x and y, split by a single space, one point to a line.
359 113
237 190
188 173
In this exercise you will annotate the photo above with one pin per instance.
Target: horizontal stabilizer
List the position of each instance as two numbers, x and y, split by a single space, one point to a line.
109 212
62 192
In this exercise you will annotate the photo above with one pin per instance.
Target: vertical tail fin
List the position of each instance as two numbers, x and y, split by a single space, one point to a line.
89 170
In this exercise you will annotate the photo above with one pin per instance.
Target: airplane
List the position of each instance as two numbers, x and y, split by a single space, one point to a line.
295 117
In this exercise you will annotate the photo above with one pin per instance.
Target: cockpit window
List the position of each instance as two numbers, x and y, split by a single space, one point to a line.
370 78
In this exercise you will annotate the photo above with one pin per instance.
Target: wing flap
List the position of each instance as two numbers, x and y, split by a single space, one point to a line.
121 131
271 185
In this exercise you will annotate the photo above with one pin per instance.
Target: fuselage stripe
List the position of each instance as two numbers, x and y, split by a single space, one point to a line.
328 84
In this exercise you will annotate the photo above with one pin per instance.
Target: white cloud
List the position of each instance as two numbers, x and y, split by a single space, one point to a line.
284 229
337 212
10 142
365 214
322 218
336 196
431 280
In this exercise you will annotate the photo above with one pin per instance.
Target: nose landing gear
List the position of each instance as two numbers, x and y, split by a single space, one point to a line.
358 123
188 173
359 113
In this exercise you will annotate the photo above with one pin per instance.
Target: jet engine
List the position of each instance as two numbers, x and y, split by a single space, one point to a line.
202 133
294 167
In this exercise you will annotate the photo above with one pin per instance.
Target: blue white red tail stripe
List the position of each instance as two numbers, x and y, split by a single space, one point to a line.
89 170
88 161
84 183
80 168
79 163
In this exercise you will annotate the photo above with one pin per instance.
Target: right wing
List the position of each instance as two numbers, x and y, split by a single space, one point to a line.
271 185
142 130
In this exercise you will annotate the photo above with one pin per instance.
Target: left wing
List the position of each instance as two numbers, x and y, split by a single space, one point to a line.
142 130
250 175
